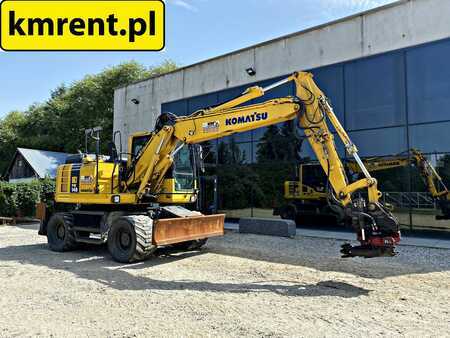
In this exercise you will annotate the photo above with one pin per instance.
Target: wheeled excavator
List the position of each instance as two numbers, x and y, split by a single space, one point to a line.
307 196
140 203
433 181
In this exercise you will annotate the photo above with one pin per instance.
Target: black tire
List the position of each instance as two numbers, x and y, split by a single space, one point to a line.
288 212
59 236
130 238
190 245
335 212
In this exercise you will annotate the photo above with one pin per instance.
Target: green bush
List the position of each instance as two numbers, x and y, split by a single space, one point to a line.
19 199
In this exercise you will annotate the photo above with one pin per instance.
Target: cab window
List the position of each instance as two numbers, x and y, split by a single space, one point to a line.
182 170
138 143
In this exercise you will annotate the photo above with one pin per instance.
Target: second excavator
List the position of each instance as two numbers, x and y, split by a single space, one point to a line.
433 181
138 204
306 197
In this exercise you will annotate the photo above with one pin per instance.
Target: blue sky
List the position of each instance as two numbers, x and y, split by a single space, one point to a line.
196 30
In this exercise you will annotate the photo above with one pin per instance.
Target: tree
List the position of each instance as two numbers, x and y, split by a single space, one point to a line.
230 153
9 138
279 144
277 155
58 124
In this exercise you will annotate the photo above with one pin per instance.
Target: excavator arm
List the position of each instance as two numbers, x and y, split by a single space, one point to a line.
431 177
433 181
377 229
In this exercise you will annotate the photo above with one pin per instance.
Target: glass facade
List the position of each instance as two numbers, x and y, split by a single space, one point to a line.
388 104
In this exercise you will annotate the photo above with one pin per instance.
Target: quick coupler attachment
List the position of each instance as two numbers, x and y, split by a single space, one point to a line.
367 251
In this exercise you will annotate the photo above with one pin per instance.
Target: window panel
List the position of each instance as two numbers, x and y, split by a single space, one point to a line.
268 152
178 108
308 153
232 153
210 152
229 94
281 91
236 184
430 138
268 190
375 92
331 81
261 134
203 101
239 137
429 83
380 142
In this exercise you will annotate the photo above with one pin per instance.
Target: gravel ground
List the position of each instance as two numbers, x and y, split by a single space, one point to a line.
239 285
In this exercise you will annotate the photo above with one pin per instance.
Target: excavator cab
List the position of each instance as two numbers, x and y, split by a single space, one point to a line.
180 184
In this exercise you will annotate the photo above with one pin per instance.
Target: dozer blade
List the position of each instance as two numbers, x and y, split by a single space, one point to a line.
175 230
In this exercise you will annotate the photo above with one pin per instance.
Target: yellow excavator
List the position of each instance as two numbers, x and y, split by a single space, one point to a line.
307 197
433 181
140 203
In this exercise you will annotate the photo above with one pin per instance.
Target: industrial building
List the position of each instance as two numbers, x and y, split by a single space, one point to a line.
386 71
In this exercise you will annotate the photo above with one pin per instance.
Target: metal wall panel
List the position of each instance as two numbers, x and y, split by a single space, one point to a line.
375 92
380 142
430 138
281 91
372 91
331 80
203 101
178 108
429 82
230 93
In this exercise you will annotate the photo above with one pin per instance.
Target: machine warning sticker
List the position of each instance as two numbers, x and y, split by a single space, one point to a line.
211 127
86 179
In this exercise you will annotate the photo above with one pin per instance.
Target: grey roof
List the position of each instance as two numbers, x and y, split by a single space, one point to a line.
44 163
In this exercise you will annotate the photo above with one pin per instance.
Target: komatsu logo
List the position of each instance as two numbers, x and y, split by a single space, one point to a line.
246 119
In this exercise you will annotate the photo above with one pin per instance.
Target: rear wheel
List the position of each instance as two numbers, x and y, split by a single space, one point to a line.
59 236
130 238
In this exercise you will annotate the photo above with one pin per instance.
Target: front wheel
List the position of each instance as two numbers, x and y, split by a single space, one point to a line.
288 212
130 238
59 236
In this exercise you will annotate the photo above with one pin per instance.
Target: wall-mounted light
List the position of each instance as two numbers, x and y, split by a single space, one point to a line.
251 71
135 101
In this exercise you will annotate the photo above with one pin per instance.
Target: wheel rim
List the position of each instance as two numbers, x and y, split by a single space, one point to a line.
60 231
124 240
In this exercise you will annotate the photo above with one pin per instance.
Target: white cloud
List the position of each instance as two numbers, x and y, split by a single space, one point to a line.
356 5
186 4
